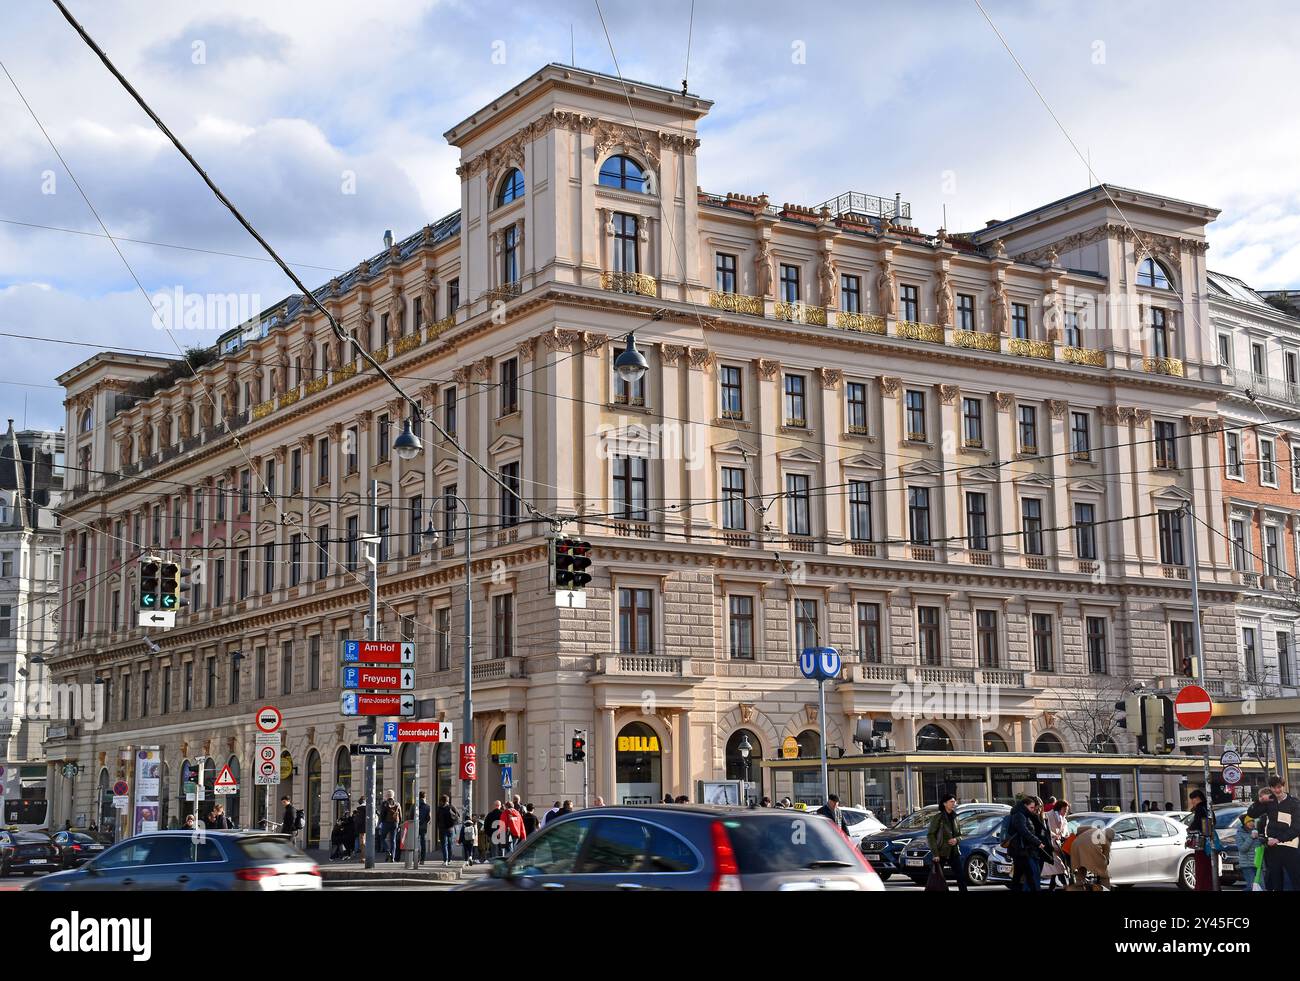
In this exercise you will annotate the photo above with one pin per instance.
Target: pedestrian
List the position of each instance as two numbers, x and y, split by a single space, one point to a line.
1258 813
1090 852
495 830
681 799
531 823
1028 846
1169 805
1282 841
1198 839
1247 845
289 823
1057 823
360 826
944 839
190 822
598 802
390 815
765 802
565 808
468 839
423 812
831 809
447 821
515 830
218 819
554 810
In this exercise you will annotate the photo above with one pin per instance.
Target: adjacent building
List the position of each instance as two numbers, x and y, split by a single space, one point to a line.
959 458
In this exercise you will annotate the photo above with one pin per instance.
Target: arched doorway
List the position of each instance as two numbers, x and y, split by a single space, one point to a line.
994 743
931 738
343 778
744 762
492 789
638 765
445 777
808 780
232 801
313 806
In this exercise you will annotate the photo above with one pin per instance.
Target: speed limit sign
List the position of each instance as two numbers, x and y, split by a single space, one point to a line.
268 754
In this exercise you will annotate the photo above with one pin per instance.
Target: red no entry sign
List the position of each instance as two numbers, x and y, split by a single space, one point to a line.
1193 707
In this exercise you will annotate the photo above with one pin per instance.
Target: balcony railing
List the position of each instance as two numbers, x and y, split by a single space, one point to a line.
344 373
503 293
290 397
629 282
922 553
800 544
864 323
1263 386
980 558
622 398
440 327
499 669
1036 562
737 539
1081 355
799 313
866 549
1163 366
317 385
1173 571
263 409
670 665
915 331
380 353
1024 348
976 340
736 303
408 343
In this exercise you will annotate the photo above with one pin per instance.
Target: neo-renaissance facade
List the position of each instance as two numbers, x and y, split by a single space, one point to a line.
959 459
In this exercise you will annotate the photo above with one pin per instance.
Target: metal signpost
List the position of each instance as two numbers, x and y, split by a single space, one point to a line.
821 664
1198 672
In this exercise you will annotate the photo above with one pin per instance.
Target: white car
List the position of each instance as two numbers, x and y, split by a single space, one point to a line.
861 822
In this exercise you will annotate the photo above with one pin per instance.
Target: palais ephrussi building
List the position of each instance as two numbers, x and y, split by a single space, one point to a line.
957 458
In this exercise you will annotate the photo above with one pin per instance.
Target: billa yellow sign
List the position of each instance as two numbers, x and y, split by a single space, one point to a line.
497 747
638 744
790 748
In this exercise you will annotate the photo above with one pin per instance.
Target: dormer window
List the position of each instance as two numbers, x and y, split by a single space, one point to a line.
624 173
1153 275
512 187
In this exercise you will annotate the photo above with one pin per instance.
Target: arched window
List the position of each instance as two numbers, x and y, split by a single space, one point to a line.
624 173
87 420
744 762
1154 275
1102 744
993 743
933 738
512 186
313 798
810 744
1047 743
343 778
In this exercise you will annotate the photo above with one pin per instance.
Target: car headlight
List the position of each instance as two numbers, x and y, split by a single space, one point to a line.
903 842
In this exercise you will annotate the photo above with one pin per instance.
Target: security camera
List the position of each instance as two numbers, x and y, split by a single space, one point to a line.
153 648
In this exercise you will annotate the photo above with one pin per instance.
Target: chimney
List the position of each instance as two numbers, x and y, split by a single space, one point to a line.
388 238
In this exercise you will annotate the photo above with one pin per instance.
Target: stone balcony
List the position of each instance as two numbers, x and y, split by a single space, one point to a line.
644 665
498 669
629 282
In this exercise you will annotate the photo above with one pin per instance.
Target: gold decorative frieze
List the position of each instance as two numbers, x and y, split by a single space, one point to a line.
440 327
263 409
317 385
408 343
290 397
344 373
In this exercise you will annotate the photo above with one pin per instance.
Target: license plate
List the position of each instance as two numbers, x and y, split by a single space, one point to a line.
1004 869
36 861
917 862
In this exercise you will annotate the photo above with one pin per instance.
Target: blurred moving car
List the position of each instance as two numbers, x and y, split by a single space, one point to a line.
884 849
684 847
27 852
979 836
1147 849
76 847
180 861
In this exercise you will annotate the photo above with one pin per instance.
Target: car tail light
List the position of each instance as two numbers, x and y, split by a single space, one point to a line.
726 873
254 874
314 870
75 848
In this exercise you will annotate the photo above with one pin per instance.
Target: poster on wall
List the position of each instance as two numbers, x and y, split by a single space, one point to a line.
728 793
148 780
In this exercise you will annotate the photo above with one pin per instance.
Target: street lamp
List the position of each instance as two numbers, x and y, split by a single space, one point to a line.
745 749
631 364
407 445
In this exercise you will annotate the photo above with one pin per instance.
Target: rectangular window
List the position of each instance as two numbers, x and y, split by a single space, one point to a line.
914 405
1240 562
313 663
918 515
384 536
625 244
855 395
1080 435
977 521
1284 657
1225 350
1272 565
789 283
1020 320
860 510
730 380
972 423
1031 525
733 499
268 567
869 632
352 536
442 625
986 638
176 515
155 525
449 410
351 443
126 697
1267 463
630 487
1028 418
322 552
724 269
295 559
965 311
286 667
798 519
144 693
796 408
1098 652
741 619
219 575
1044 650
295 470
635 622
453 296
384 427
850 294
927 629
625 392
1257 359
1085 531
415 536
510 255
1182 646
509 498
115 601
210 684
1250 653
269 478
449 506
245 491
909 302
259 673
1159 334
1166 445
1171 537
1073 337
1291 368
166 706
187 694
509 386
1232 442
232 690
81 618
323 460
221 507
245 583
806 633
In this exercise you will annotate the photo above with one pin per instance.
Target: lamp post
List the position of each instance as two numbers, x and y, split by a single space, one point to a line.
430 535
745 749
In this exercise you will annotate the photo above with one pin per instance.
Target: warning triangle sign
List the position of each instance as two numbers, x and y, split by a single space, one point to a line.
225 778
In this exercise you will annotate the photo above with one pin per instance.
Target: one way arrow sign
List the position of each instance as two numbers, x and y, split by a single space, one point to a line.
164 619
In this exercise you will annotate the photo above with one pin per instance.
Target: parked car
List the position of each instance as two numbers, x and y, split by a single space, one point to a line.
979 836
1179 816
861 822
27 852
175 861
884 849
1147 849
76 847
1227 822
683 847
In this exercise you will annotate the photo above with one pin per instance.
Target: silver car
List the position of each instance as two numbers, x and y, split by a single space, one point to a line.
187 861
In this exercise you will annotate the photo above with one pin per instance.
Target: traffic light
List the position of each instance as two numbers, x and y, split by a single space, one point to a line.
1157 725
169 590
1128 714
150 584
572 559
578 749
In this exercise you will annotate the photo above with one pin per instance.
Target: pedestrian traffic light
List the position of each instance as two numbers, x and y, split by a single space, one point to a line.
150 584
578 749
572 559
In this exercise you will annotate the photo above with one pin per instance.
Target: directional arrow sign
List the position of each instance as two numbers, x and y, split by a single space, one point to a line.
357 704
417 732
164 619
378 652
402 679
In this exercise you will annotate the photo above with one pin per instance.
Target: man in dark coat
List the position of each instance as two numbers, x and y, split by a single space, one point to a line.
290 823
423 811
531 823
1281 836
832 810
447 821
495 831
1028 847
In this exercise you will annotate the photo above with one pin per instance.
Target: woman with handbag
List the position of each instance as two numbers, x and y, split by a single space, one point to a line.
1200 841
944 840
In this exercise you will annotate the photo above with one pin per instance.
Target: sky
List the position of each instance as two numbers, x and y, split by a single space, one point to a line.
323 121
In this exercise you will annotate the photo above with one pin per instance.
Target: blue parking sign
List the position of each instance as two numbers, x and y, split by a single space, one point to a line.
351 650
390 732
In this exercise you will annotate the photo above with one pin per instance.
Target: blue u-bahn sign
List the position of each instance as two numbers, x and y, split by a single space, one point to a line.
819 663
